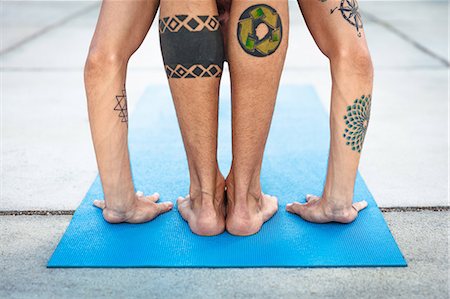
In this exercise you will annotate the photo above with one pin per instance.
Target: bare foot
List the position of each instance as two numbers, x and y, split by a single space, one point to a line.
144 209
318 210
204 212
247 219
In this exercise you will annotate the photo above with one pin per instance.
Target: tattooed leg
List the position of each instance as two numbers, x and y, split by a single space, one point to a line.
351 95
257 43
192 50
121 28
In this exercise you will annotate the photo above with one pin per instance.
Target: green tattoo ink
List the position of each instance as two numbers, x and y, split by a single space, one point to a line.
251 18
356 121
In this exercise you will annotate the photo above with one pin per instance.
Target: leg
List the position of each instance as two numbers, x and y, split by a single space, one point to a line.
192 49
120 30
256 46
337 30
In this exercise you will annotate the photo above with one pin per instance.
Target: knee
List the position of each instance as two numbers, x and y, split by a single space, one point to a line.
99 60
356 58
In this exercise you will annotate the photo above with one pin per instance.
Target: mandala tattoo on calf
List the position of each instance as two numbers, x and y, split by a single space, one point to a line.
191 46
121 106
356 121
250 20
350 12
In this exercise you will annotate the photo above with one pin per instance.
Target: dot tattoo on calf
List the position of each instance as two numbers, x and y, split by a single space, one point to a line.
356 121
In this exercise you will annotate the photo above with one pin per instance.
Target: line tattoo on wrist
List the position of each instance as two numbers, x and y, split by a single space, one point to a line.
350 12
122 106
356 122
259 30
191 46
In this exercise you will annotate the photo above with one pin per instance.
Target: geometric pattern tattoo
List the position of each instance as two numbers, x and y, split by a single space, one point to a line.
121 106
191 23
250 19
192 46
193 71
350 12
356 121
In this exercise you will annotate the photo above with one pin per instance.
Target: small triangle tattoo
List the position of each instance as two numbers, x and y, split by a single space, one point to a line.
122 106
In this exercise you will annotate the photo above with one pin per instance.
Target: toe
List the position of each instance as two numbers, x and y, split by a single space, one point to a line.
99 204
360 205
164 207
295 207
311 197
270 207
184 208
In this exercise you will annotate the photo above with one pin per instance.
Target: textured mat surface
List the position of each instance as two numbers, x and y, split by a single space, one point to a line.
294 165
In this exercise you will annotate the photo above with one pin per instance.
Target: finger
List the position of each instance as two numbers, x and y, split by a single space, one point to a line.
180 200
295 207
360 205
154 197
99 204
164 207
139 193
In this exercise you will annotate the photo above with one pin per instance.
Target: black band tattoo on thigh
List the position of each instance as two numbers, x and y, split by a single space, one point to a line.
356 121
259 30
350 12
191 46
121 106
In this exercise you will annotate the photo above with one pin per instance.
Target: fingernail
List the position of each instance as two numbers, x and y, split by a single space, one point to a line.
156 194
139 193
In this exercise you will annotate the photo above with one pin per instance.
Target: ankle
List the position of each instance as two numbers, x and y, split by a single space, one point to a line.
247 188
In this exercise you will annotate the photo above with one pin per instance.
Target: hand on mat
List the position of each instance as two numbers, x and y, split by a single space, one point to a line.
143 210
319 211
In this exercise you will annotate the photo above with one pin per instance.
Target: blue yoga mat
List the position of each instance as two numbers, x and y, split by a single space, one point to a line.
294 165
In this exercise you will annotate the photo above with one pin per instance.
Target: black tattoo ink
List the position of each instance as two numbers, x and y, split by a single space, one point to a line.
191 46
350 12
122 106
357 121
251 18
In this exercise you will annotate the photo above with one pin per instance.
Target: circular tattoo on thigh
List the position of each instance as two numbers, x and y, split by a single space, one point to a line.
259 30
356 121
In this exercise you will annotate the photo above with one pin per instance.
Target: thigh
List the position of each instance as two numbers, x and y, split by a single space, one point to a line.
336 25
123 25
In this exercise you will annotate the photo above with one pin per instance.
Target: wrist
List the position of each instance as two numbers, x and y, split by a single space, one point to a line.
120 203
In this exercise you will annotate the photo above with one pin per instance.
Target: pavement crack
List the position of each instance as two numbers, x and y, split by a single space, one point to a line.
407 38
71 212
48 28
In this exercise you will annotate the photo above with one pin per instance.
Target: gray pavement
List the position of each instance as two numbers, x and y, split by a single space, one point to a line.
47 153
28 241
48 163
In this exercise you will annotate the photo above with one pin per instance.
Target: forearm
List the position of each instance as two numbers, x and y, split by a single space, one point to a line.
352 79
108 116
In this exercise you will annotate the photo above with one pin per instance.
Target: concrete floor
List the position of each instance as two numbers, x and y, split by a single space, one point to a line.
28 241
48 163
405 159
